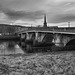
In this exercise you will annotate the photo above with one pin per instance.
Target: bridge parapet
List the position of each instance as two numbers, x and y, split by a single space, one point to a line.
48 30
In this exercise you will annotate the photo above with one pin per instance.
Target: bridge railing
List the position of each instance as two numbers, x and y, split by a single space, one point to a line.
55 29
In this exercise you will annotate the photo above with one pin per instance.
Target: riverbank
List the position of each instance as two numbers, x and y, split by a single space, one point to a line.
38 64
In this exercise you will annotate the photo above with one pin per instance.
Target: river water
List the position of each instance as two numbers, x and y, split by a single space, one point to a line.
10 47
18 47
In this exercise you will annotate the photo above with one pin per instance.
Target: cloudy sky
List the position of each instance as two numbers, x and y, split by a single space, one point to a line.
31 12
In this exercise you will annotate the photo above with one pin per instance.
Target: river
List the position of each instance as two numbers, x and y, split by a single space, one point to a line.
17 47
10 47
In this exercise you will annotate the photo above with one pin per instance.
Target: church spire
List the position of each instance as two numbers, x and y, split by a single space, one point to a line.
45 23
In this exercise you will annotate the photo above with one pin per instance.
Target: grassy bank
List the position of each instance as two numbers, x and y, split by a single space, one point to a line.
38 64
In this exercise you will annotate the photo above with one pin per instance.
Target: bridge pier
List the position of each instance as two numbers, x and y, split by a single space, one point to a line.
38 37
22 36
58 40
27 36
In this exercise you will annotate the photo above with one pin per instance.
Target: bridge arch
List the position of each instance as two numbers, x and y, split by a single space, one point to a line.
48 38
70 45
71 42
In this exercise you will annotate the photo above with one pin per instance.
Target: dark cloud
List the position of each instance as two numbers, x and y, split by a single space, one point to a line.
24 15
12 10
28 5
14 15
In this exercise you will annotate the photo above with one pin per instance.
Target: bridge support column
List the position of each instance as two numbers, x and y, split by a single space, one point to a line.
58 40
39 36
23 35
29 36
36 36
19 35
22 39
35 40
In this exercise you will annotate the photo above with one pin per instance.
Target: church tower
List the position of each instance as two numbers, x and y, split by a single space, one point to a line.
45 23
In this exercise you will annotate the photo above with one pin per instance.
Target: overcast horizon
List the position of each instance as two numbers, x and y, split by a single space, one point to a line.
31 12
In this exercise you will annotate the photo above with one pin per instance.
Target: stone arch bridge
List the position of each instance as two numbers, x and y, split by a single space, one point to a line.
58 36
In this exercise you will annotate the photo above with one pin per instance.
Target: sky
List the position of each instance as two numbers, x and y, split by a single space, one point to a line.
31 12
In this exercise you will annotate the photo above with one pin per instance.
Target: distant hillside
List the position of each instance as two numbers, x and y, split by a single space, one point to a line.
8 29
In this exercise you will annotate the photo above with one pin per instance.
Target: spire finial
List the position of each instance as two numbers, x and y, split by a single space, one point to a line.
45 23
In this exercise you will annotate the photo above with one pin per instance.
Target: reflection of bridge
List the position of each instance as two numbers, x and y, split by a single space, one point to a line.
59 36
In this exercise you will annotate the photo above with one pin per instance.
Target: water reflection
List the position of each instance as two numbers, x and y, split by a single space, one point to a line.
15 47
10 47
31 48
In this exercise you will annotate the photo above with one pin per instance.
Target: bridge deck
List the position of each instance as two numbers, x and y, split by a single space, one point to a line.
48 30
